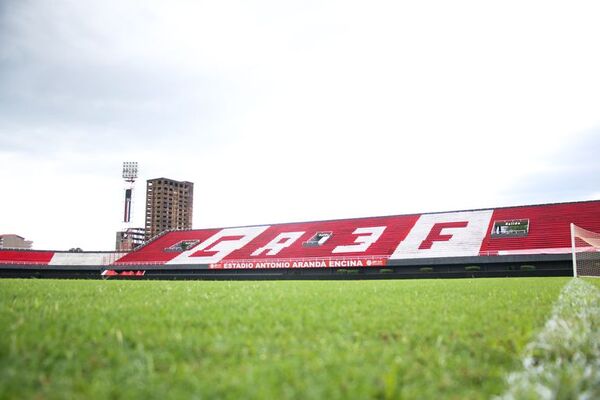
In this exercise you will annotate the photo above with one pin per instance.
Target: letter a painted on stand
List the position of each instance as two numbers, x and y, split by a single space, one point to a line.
283 240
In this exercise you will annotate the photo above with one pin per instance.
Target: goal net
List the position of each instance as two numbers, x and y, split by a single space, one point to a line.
586 252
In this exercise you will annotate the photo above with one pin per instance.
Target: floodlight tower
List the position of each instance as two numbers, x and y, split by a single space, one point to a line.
130 174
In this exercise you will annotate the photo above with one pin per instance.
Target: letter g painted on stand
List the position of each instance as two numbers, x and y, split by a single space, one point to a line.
219 246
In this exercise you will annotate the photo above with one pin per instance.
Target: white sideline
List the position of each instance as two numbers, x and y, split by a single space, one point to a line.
563 361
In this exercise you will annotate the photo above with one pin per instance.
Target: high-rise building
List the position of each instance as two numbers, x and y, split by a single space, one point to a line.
169 205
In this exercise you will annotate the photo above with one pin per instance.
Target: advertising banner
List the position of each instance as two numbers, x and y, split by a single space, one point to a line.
302 263
515 227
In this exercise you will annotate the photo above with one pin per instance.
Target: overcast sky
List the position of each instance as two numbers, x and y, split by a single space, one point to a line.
285 111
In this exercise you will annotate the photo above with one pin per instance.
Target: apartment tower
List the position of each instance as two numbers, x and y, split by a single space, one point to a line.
169 205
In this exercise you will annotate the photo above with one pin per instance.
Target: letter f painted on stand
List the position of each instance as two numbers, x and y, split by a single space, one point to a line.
435 234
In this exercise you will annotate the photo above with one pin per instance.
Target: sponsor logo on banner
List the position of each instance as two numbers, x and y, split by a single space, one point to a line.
301 263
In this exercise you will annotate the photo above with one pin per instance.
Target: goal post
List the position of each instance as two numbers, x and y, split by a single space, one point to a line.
585 249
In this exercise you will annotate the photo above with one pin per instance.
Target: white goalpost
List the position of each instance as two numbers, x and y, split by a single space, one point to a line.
585 248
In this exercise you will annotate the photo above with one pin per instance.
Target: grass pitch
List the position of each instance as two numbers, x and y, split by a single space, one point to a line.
278 339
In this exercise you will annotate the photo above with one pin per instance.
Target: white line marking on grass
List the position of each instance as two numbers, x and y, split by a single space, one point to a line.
563 361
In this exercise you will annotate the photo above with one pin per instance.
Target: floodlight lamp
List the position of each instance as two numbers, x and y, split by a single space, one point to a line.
130 171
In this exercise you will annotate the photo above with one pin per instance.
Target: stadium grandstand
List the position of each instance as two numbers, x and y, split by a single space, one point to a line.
530 240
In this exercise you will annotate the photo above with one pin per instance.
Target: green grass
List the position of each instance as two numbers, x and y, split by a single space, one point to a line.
562 362
593 281
280 339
